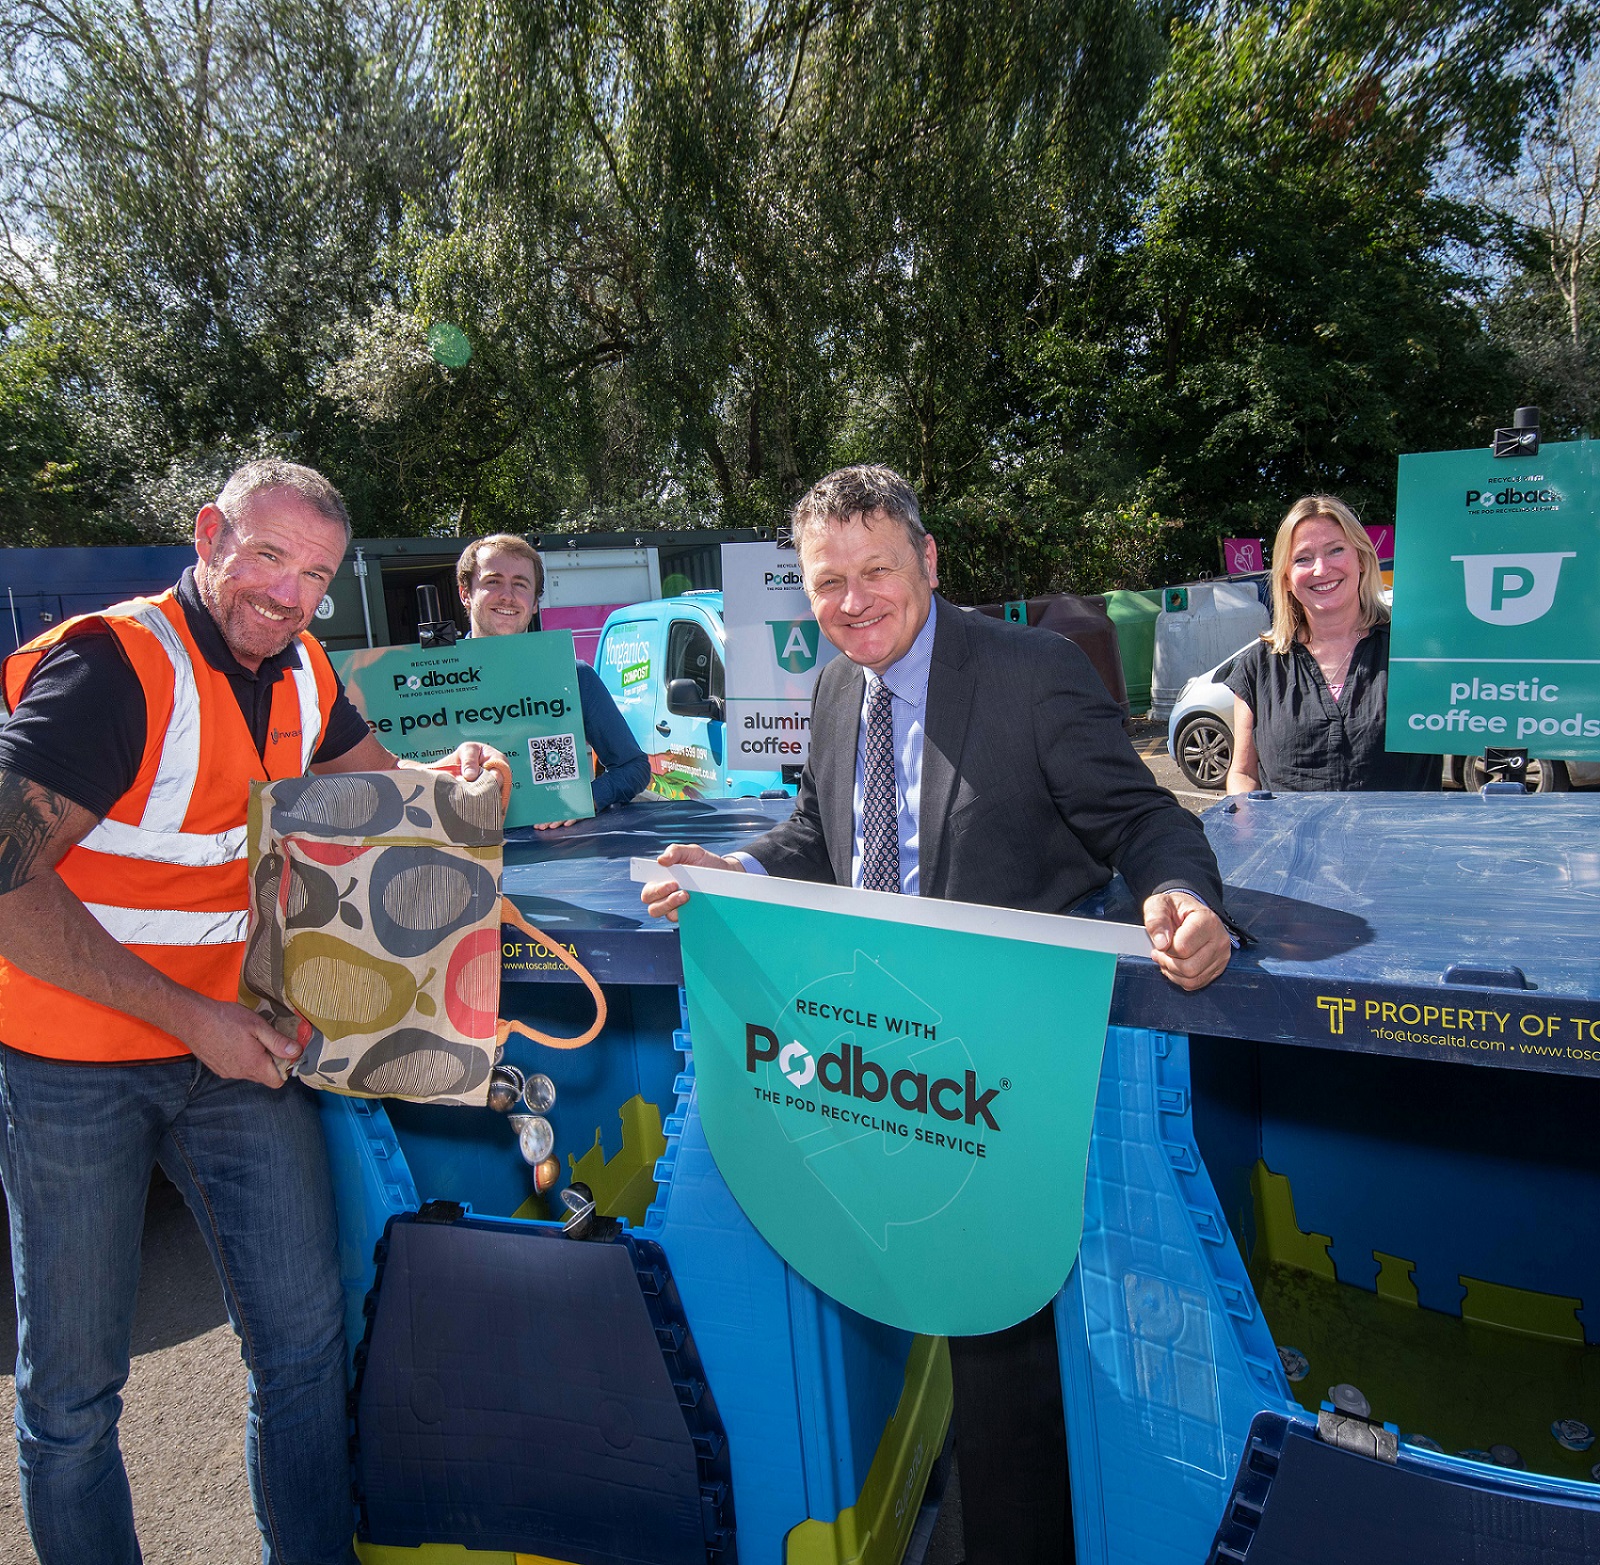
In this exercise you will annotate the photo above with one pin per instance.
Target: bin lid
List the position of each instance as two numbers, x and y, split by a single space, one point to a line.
573 884
1452 927
1359 905
1126 604
1298 1500
1084 620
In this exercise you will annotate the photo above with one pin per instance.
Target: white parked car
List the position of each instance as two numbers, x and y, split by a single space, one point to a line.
1200 737
1200 727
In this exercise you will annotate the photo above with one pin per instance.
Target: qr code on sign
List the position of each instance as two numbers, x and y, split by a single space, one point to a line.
554 758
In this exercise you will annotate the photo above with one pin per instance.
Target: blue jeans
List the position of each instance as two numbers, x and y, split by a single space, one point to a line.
80 1143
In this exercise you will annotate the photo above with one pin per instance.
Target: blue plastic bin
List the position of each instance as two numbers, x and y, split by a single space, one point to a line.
1367 1154
832 1423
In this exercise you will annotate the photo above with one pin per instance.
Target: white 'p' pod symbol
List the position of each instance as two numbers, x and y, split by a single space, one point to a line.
1511 589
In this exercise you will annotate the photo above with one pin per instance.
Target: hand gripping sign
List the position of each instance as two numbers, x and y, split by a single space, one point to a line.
899 1092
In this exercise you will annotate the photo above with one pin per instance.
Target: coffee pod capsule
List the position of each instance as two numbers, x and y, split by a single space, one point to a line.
578 1199
1572 1434
506 1084
1423 1443
1506 1456
1348 1399
1296 1366
539 1096
536 1139
545 1174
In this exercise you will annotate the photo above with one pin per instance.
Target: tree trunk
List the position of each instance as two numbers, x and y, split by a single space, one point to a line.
753 458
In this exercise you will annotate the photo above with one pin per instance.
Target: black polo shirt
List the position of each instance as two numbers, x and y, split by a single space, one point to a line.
80 727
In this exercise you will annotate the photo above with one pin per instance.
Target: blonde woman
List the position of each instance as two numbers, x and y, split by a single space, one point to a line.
1310 698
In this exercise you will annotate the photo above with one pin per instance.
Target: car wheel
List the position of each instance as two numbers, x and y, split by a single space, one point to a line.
1542 776
1204 750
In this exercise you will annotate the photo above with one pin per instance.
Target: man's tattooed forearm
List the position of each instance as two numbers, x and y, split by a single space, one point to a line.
31 816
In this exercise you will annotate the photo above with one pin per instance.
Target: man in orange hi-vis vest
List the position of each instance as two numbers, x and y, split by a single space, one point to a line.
125 770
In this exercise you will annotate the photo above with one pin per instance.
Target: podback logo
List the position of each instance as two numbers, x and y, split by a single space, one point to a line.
1486 498
847 1073
435 678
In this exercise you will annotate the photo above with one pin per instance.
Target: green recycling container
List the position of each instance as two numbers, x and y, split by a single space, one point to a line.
1134 615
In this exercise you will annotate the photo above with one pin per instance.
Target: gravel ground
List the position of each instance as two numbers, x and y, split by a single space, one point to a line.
183 1417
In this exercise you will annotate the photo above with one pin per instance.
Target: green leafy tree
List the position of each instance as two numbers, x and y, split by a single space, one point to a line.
198 195
732 246
1547 213
1289 309
673 259
46 497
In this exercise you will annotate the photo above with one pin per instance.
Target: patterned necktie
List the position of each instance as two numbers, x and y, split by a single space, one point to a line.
880 829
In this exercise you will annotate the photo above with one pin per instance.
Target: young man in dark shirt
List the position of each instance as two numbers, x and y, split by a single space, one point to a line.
501 579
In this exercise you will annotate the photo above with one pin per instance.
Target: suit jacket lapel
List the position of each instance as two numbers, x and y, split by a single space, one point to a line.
950 692
836 732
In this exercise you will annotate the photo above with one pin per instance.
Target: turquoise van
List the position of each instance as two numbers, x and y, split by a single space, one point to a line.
662 661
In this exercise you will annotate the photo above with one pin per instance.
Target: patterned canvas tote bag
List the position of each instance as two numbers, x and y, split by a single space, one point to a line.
374 937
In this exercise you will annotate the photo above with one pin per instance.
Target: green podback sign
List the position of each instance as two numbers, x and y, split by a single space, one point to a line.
1496 638
902 1111
518 693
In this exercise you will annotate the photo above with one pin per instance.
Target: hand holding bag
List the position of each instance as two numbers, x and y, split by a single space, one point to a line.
374 940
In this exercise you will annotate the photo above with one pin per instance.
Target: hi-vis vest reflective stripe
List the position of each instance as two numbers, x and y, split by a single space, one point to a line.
159 837
165 871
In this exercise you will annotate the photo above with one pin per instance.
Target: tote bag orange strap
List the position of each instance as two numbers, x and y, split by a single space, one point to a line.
510 914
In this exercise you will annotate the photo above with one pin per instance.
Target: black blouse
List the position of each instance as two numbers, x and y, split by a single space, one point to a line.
1309 743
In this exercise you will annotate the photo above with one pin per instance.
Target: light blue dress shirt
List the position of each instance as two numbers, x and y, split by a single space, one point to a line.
908 685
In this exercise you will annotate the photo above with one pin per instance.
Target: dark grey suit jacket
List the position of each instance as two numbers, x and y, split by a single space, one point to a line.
1031 793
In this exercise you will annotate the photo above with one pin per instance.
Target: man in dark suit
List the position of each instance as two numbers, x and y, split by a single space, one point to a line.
961 757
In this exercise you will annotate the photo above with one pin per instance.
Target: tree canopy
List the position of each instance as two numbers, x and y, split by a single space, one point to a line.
200 196
1106 279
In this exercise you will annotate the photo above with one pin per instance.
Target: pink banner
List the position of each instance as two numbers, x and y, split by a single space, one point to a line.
1243 556
1383 541
584 621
